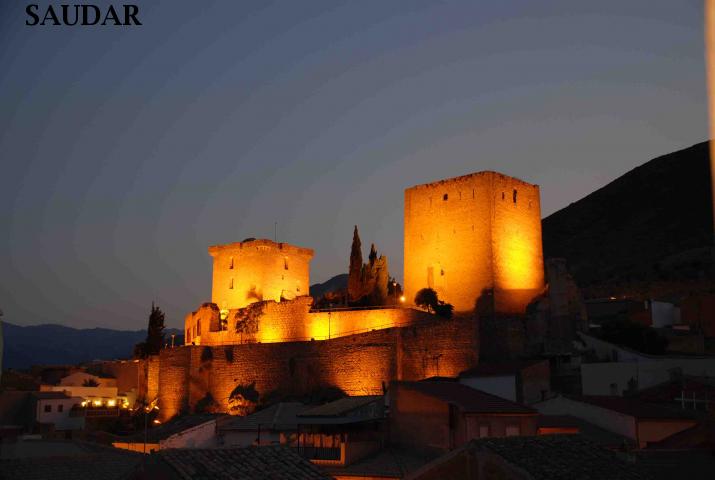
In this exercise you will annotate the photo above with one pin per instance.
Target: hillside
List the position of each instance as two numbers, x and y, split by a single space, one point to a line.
333 284
57 344
649 229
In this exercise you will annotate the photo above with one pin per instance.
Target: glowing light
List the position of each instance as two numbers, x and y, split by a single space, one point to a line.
402 299
97 403
111 403
84 403
156 421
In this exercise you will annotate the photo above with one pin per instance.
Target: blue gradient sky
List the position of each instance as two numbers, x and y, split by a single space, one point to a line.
125 152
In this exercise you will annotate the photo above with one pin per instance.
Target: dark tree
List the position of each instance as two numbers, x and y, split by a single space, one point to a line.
355 269
90 382
427 299
154 334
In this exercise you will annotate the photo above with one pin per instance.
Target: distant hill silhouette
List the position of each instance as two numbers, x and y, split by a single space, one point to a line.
338 282
649 231
60 345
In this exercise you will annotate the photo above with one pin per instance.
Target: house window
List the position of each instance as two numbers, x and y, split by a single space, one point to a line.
48 408
60 408
512 430
230 264
445 196
285 263
188 335
198 327
513 195
502 195
483 431
230 284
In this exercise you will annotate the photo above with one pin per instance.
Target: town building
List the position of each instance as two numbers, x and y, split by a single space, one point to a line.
439 416
641 422
520 381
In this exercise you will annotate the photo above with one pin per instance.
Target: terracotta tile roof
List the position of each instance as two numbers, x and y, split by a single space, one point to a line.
64 460
468 399
249 463
499 369
341 406
280 416
636 408
50 395
560 457
548 457
166 430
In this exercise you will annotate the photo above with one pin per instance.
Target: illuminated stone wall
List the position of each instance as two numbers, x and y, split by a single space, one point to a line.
255 270
474 233
292 321
358 364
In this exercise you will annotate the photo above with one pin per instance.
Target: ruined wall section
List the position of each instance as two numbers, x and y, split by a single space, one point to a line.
357 364
256 270
291 321
471 234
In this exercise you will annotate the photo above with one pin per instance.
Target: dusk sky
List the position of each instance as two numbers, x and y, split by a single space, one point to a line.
126 151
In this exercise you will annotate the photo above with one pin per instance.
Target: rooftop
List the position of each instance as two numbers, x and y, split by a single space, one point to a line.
280 416
66 460
556 457
548 457
341 407
498 369
635 407
249 463
468 399
172 427
50 395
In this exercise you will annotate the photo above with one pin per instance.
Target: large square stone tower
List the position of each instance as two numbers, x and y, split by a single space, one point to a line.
256 270
473 236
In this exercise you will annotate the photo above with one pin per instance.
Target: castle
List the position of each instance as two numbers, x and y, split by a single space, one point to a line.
475 239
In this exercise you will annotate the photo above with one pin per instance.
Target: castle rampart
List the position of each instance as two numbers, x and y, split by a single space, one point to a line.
358 364
270 322
473 236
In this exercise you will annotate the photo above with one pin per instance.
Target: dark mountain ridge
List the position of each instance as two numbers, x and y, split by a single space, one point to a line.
52 344
650 227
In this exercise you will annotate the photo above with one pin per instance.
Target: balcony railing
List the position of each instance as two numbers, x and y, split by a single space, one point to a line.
319 453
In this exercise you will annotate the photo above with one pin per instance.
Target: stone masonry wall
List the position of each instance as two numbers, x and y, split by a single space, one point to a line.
293 321
358 364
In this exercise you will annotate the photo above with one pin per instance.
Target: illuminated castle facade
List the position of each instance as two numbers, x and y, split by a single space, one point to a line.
475 238
257 270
